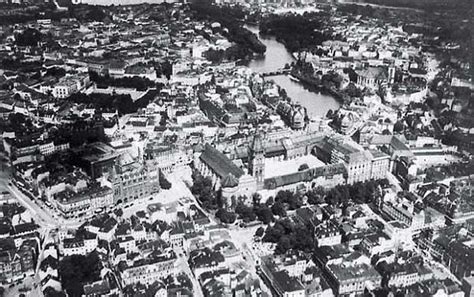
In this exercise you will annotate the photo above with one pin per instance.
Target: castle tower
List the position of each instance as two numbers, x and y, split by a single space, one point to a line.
257 160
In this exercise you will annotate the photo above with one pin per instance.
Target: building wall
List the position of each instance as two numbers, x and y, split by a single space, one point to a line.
379 168
134 185
86 204
403 279
359 171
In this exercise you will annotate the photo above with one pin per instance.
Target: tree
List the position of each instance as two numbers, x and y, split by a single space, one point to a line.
273 234
398 127
29 37
289 235
278 209
260 231
202 188
294 201
284 196
135 82
56 72
215 56
256 198
381 92
184 281
329 114
264 214
246 213
226 216
164 183
245 41
118 212
75 270
270 201
283 245
296 32
316 195
303 167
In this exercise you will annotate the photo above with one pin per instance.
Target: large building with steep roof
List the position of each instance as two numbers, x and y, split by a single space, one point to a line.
372 77
216 165
226 175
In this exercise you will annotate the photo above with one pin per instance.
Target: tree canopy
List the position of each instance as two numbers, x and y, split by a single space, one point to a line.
75 270
289 235
29 37
296 32
164 183
202 188
134 82
226 216
229 17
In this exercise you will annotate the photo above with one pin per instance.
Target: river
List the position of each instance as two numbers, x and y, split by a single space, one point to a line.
275 58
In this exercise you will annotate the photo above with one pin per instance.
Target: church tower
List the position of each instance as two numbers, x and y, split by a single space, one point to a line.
257 160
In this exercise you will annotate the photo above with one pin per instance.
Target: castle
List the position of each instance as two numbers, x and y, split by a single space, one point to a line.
243 170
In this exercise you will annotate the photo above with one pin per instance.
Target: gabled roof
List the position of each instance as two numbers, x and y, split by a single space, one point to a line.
49 262
373 72
219 163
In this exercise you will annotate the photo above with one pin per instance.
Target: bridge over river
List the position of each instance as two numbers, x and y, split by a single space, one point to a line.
272 65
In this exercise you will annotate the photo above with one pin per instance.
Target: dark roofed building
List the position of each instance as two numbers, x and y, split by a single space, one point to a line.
371 77
280 281
230 181
285 284
353 279
459 258
218 163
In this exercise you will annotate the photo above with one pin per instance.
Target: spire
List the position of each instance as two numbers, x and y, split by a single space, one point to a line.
257 143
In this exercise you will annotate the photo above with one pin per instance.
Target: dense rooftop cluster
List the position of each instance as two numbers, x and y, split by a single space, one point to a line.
142 157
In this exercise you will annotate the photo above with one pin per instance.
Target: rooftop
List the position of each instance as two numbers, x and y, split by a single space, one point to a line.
219 163
353 272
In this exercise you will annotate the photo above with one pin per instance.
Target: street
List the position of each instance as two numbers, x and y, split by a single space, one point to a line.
43 217
183 266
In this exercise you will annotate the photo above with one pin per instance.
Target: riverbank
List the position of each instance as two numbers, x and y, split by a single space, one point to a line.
317 85
317 102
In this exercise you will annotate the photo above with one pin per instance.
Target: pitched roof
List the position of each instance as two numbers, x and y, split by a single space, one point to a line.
219 163
230 181
287 283
373 72
257 144
49 262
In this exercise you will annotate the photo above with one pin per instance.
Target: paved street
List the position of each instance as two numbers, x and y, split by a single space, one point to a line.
43 217
394 181
40 216
183 266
